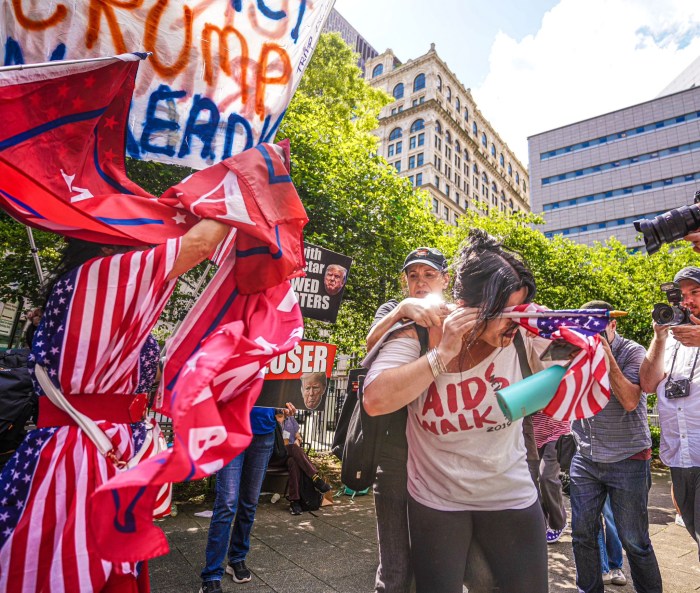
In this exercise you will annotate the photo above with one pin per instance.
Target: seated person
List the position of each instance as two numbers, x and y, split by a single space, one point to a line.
298 462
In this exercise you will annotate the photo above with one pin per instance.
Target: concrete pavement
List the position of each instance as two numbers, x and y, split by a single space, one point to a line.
335 550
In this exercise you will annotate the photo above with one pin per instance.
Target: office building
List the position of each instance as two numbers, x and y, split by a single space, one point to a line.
593 178
434 134
336 23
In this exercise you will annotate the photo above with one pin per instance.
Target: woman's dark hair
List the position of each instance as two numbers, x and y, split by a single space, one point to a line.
75 253
486 274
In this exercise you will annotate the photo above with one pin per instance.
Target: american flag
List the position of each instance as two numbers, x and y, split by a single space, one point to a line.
585 388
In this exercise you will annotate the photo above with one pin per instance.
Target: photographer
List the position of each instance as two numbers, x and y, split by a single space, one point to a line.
613 459
670 369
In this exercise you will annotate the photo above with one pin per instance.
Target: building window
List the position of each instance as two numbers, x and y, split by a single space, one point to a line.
438 127
524 186
439 83
395 134
419 124
419 159
457 198
438 143
398 91
466 114
475 129
393 111
435 205
447 190
421 99
510 169
419 179
449 95
475 168
390 150
458 105
437 182
517 178
411 162
419 82
466 155
458 148
502 160
448 152
437 162
421 139
411 142
397 166
399 146
448 137
446 212
410 178
484 140
493 150
378 70
484 179
494 188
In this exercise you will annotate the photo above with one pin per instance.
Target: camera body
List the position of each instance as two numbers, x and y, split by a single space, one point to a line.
671 313
677 388
669 226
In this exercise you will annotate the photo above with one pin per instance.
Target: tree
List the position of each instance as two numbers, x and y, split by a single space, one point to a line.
357 204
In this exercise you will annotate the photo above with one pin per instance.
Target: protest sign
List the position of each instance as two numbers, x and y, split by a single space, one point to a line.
300 376
321 291
220 76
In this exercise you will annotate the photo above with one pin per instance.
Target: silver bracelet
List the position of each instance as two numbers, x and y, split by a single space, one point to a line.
436 365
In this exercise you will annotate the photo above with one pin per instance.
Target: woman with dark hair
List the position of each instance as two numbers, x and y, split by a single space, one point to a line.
93 350
468 479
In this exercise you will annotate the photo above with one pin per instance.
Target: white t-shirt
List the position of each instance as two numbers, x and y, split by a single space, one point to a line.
463 454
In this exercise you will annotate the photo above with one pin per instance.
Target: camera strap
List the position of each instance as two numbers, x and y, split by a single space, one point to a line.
673 363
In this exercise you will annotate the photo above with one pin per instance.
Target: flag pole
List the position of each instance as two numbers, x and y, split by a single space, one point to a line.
142 55
562 314
35 255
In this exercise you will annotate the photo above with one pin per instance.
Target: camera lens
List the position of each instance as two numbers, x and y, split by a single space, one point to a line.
664 314
669 226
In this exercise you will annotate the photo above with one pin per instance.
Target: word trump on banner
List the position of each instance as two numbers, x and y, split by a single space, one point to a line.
220 76
299 376
320 292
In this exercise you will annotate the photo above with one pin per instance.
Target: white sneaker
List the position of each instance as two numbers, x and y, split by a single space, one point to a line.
679 521
617 578
607 578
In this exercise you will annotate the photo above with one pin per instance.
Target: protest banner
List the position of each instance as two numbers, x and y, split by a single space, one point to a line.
220 76
321 291
300 376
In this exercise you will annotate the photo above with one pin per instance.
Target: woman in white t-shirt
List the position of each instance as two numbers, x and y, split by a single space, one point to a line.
468 478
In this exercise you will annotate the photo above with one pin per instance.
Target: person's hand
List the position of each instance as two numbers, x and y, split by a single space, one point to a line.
694 238
606 349
688 335
456 325
660 331
428 311
289 410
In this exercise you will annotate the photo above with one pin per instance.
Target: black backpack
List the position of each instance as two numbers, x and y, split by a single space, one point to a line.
18 402
309 498
365 435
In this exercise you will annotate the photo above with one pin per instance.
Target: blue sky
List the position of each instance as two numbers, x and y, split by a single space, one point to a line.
536 65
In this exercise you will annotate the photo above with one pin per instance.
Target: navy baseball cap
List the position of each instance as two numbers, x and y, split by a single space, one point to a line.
426 255
689 273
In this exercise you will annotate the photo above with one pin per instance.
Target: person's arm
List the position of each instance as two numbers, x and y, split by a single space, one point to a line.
426 312
197 244
652 370
626 392
396 387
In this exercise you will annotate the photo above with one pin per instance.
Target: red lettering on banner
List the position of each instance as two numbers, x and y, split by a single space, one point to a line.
224 59
38 24
151 35
306 357
446 426
95 11
433 402
463 424
471 400
481 419
263 79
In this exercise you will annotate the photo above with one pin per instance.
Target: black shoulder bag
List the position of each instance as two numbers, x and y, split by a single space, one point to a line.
365 436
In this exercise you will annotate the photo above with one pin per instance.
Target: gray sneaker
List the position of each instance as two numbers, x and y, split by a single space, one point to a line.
607 578
617 577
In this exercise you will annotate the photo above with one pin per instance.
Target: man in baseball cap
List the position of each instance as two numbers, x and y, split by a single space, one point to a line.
689 273
426 255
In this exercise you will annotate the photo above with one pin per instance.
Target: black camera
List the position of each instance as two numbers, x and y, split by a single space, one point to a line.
669 226
673 313
677 388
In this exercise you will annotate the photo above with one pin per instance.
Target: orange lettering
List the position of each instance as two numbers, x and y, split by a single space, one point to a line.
224 61
97 7
263 80
38 25
151 35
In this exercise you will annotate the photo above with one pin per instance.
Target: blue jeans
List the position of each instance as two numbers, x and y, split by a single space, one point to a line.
609 543
627 483
238 487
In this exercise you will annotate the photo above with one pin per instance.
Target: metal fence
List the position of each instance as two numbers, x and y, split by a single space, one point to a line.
317 427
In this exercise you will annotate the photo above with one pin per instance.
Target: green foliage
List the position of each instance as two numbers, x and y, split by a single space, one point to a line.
357 204
569 274
655 440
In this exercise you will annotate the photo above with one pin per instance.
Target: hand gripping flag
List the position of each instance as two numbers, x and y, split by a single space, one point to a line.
585 388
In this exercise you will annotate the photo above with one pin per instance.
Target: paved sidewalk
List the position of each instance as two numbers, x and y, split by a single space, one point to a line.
335 550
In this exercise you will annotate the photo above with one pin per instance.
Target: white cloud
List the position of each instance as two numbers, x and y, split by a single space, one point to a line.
588 58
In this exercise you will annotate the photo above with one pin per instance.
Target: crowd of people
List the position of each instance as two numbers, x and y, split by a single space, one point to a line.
458 484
